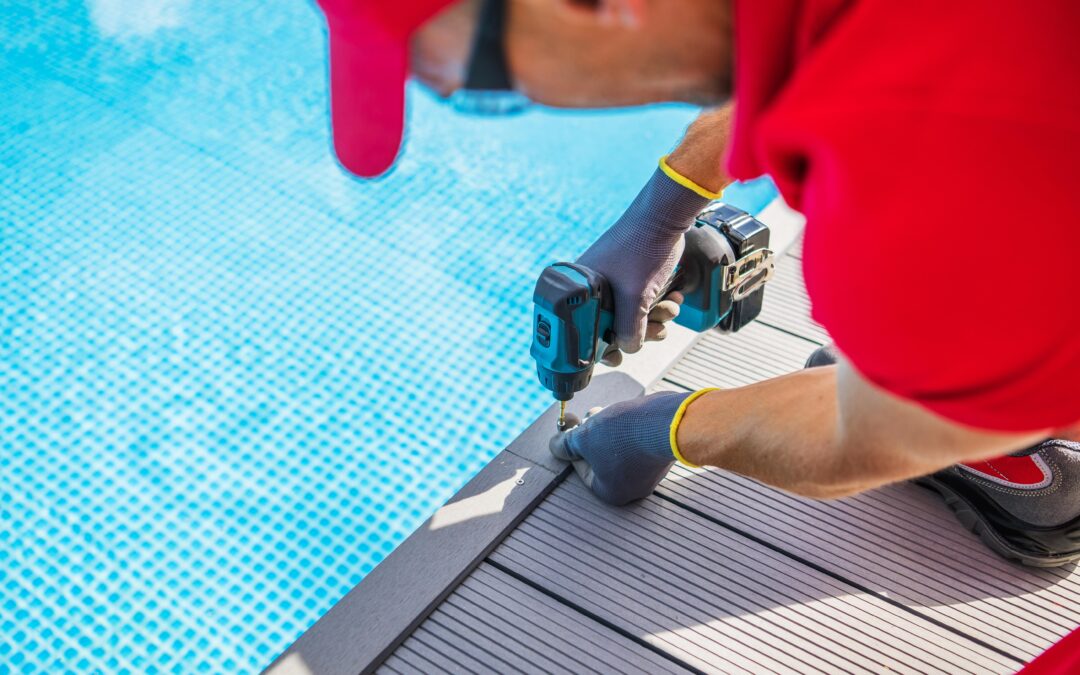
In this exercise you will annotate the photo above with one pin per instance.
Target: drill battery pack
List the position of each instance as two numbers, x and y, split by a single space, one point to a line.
724 269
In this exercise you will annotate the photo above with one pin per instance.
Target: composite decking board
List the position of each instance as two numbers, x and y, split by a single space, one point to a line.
906 526
1006 577
855 615
930 573
468 638
849 633
701 652
449 650
786 304
926 506
915 517
440 655
569 639
667 385
755 353
434 651
972 594
524 654
412 661
836 619
796 248
497 616
689 648
406 663
822 648
766 629
501 589
395 667
617 600
925 533
527 654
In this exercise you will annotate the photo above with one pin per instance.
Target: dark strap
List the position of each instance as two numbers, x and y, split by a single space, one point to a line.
487 61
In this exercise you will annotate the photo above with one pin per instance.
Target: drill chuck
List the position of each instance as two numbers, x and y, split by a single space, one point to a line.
563 386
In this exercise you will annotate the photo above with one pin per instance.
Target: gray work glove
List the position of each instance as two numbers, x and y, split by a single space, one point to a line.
637 256
623 451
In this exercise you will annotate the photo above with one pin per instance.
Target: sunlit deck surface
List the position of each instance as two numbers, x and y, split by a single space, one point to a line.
524 571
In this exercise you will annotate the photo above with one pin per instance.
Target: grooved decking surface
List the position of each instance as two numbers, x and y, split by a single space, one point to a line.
717 573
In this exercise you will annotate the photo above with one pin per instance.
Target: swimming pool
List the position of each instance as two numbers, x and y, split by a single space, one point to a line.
232 379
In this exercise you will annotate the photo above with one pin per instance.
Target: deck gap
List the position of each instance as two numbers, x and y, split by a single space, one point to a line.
790 332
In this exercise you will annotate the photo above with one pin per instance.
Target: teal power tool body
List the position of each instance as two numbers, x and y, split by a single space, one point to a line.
722 273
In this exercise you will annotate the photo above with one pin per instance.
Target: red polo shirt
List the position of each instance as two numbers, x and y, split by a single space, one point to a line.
1061 659
934 150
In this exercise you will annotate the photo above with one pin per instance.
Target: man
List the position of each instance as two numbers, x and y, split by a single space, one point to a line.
930 146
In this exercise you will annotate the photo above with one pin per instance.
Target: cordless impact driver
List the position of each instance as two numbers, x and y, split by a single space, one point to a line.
724 267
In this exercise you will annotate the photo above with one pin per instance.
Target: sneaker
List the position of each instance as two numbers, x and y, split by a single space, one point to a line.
822 356
1024 506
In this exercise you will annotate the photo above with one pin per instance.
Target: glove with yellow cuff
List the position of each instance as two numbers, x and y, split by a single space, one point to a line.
623 451
638 254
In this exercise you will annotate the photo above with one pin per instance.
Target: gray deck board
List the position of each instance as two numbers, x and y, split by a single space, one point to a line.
412 661
786 304
516 628
718 573
796 248
755 353
900 541
929 563
749 609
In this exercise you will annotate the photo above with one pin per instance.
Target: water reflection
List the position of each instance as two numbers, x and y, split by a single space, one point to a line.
136 18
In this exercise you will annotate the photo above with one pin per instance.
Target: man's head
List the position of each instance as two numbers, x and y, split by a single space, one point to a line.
590 54
567 53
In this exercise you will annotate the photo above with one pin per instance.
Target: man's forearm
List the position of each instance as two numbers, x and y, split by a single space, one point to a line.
700 154
781 432
789 432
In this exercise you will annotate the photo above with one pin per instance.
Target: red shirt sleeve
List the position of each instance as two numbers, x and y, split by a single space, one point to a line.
933 149
1062 658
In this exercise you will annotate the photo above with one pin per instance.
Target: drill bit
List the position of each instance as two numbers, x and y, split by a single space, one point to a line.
562 416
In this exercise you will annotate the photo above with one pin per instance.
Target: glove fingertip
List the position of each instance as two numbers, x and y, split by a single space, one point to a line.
585 472
612 359
560 447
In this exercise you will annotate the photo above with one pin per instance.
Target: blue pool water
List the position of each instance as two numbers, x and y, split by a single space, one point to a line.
232 379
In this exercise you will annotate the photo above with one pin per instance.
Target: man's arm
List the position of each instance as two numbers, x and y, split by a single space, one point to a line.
827 432
821 433
699 154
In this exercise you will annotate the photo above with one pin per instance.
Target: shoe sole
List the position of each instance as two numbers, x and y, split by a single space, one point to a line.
971 519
